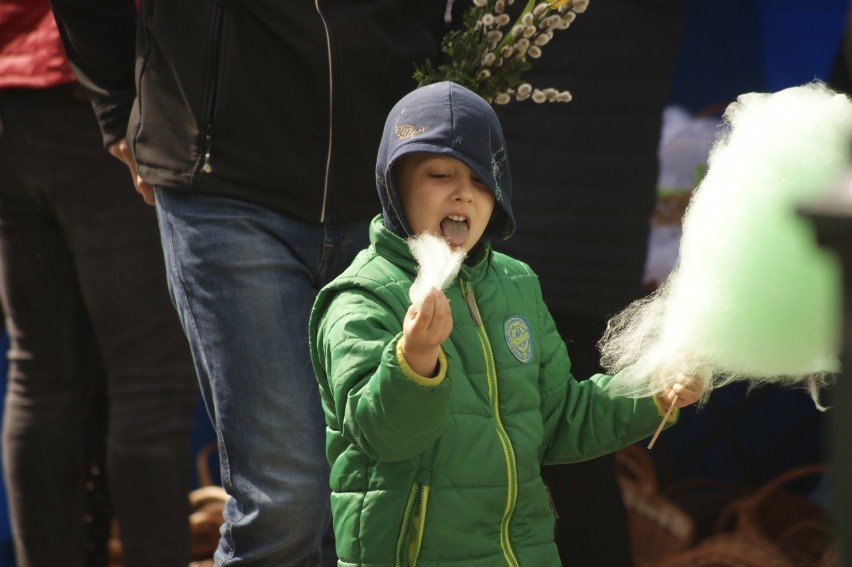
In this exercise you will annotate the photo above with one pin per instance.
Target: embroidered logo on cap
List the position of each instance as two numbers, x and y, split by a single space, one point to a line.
518 338
405 131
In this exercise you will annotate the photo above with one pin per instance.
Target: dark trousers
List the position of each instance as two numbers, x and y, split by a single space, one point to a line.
592 528
101 387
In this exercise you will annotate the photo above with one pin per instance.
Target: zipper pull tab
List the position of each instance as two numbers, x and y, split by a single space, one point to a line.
471 305
206 168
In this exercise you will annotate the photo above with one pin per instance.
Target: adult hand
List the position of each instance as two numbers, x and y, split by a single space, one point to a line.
120 151
424 330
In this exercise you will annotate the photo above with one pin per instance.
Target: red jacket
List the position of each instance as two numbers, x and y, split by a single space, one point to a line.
31 53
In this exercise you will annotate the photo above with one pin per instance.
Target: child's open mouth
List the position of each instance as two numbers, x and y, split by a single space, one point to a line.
455 229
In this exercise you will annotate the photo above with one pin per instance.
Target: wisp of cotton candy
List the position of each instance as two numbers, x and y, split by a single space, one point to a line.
437 265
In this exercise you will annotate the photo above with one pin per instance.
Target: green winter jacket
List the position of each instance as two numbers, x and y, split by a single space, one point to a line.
445 470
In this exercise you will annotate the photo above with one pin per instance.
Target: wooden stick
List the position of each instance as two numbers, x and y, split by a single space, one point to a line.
662 423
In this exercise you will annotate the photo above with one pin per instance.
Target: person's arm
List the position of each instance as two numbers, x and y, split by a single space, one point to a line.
581 420
99 37
378 402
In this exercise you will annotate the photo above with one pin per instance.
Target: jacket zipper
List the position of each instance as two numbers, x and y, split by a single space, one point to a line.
330 113
413 523
216 52
494 400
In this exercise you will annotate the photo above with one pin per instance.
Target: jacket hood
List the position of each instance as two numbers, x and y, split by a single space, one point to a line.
449 120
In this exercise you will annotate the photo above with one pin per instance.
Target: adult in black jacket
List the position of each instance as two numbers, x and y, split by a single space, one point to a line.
587 173
254 128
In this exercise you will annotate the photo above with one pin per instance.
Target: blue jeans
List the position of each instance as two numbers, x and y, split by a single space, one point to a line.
243 279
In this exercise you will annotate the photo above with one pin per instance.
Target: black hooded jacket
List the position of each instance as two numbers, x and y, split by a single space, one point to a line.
276 102
585 172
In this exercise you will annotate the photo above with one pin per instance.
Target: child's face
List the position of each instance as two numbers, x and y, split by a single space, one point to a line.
444 196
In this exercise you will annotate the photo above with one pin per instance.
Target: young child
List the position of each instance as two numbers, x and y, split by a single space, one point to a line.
439 418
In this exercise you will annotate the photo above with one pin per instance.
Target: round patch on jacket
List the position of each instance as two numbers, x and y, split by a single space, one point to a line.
518 338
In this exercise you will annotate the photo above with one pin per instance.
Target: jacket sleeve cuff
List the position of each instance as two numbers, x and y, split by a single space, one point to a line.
662 411
417 378
113 114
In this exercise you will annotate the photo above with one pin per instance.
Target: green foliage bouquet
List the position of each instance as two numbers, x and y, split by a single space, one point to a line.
489 57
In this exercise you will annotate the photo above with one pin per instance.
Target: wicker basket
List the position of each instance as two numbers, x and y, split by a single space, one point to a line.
704 499
658 527
800 528
831 557
206 505
730 550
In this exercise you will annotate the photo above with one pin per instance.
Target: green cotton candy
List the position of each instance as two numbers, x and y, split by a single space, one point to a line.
753 297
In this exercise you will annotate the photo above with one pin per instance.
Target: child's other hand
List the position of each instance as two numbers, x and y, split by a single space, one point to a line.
687 390
424 330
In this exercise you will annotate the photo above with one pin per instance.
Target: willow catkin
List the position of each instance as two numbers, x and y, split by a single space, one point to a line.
752 297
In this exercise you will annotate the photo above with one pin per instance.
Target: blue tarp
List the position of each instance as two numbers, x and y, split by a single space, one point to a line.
730 47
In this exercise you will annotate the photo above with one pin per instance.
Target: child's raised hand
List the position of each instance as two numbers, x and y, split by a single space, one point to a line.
424 330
